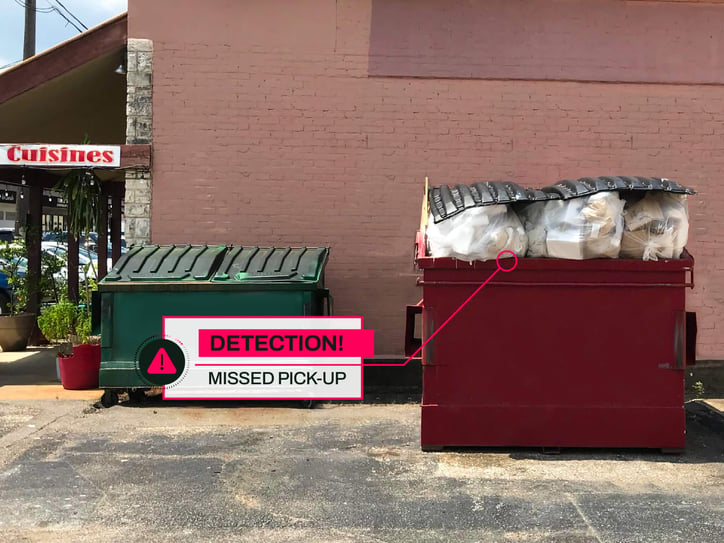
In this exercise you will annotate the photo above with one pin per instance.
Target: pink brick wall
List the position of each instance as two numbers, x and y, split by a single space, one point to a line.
268 129
591 40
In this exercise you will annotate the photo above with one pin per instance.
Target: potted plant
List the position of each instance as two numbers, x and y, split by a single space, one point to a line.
79 355
67 321
16 325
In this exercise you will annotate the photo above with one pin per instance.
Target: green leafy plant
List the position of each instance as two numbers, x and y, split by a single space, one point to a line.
51 284
14 264
698 388
65 322
81 189
11 264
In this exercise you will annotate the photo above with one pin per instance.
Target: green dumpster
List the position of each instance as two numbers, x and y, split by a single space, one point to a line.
152 281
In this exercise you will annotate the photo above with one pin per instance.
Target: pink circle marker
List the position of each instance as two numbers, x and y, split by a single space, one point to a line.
514 260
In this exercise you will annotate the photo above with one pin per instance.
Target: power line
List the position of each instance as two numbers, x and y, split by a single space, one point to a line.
69 13
9 64
51 8
66 18
36 10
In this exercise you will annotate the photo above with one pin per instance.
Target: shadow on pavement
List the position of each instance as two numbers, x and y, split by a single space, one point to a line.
34 366
403 395
705 430
704 444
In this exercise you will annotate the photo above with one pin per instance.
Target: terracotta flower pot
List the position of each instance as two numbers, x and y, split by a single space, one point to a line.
15 331
80 370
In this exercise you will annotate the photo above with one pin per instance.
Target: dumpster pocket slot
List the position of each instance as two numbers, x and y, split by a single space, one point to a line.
428 323
95 313
680 340
690 338
412 343
106 321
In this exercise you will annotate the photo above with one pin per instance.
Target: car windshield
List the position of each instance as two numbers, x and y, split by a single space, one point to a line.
19 264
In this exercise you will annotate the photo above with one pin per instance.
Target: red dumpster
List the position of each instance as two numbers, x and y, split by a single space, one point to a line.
557 353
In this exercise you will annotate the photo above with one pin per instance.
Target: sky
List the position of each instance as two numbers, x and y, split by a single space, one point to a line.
51 28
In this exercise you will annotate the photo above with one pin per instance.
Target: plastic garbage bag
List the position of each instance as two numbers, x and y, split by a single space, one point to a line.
655 226
577 229
478 233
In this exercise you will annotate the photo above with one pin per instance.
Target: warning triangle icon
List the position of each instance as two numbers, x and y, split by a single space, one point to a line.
161 363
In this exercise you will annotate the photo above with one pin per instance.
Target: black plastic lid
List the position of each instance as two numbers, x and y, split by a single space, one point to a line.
590 185
447 201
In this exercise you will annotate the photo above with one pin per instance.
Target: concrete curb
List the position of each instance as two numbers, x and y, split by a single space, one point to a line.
714 404
47 392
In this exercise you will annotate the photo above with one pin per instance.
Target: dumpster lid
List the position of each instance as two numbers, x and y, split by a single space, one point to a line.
166 263
446 201
573 188
272 264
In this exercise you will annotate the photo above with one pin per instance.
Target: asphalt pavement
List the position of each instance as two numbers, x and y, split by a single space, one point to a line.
161 471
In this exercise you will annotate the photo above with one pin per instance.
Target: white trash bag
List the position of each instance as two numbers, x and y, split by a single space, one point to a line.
478 233
656 226
575 229
532 216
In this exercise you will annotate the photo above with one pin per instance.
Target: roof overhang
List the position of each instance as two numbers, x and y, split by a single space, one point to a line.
71 90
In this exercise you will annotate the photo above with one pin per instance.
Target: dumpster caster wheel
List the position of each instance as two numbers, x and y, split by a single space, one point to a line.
109 398
432 448
307 404
672 451
136 395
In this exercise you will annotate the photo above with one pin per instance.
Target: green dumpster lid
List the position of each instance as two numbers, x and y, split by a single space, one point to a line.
265 264
166 263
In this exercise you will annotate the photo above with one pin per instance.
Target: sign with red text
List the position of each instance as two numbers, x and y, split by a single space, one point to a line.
83 156
265 358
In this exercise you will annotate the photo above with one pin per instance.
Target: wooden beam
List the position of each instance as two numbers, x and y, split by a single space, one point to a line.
102 248
72 268
116 225
33 233
33 177
135 156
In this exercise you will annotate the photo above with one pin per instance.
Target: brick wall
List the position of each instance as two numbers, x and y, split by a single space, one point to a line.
591 40
268 129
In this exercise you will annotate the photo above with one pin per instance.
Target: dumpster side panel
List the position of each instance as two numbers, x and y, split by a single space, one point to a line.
554 357
129 318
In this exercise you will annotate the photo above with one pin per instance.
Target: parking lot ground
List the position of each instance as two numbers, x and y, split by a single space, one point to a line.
162 471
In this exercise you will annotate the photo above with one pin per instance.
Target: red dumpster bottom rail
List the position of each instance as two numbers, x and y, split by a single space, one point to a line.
558 353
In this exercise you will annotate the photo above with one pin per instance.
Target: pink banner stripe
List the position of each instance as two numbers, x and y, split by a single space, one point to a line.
286 343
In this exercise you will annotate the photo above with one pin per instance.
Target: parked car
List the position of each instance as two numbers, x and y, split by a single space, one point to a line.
87 260
6 292
7 234
90 243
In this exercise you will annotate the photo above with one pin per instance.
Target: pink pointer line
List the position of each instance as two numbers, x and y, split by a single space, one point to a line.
499 268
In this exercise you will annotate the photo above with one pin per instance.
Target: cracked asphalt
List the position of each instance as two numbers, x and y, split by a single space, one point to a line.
163 471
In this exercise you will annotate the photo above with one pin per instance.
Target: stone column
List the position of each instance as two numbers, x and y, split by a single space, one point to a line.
139 120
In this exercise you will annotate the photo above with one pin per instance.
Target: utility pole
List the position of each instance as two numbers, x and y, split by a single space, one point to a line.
29 42
21 203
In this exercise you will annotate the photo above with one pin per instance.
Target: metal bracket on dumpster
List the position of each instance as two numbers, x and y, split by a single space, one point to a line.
412 344
330 301
684 341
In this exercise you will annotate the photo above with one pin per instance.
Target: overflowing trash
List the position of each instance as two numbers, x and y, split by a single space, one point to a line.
601 217
577 229
478 233
655 226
